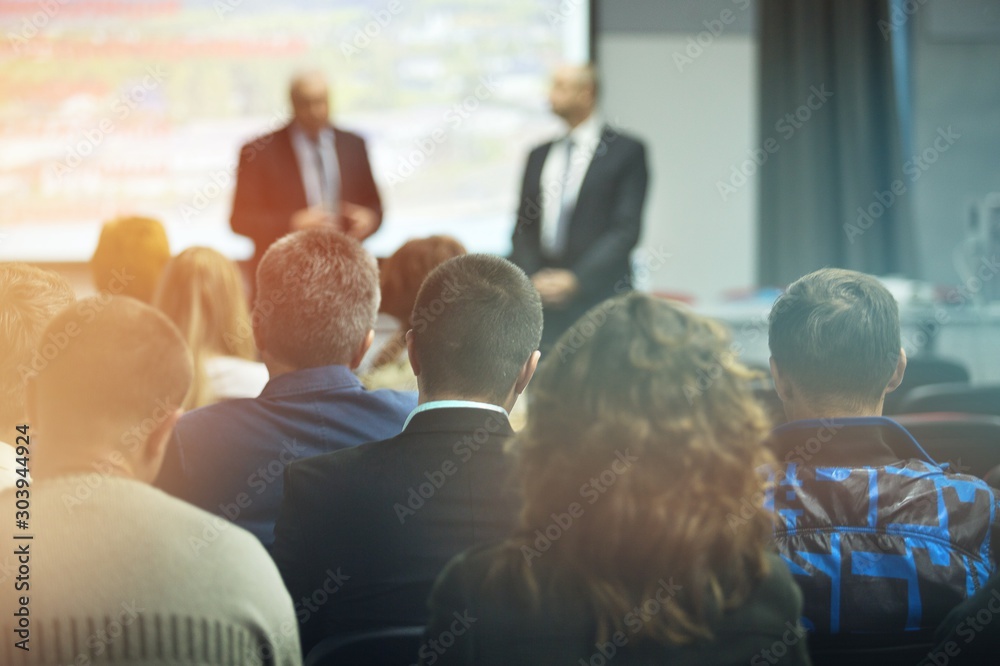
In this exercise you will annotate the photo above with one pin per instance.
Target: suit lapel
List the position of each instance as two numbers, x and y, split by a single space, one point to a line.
594 168
290 176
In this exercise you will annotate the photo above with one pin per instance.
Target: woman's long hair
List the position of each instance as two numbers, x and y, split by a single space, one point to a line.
202 292
642 417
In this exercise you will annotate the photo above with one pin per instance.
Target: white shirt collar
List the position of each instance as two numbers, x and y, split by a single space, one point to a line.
587 133
446 404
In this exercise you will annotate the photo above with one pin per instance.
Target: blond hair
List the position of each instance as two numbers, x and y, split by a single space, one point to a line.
130 256
202 293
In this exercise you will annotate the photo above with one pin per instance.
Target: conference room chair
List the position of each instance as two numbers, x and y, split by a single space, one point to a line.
970 443
925 371
953 397
860 650
395 646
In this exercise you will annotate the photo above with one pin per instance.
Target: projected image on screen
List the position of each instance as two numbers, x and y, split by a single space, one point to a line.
140 107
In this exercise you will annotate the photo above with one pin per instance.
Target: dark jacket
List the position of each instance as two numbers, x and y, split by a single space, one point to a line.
388 516
603 228
879 537
269 186
479 621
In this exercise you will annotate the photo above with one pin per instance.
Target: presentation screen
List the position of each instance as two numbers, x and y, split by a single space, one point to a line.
114 107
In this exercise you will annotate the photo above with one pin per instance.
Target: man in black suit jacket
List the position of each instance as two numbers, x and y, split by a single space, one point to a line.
306 174
363 532
581 205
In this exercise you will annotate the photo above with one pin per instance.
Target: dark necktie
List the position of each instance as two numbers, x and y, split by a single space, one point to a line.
325 184
567 204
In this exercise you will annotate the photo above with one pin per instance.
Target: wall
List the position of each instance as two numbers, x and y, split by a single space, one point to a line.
956 53
692 96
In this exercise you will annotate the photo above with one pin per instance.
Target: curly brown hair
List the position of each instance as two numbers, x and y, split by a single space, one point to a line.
645 378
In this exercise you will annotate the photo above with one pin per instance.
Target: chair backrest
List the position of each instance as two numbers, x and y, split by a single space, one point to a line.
970 443
875 651
954 397
924 371
394 646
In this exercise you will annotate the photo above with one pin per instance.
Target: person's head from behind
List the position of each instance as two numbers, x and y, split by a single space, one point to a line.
130 256
29 298
202 292
652 463
573 94
316 301
309 94
835 345
110 397
475 330
403 272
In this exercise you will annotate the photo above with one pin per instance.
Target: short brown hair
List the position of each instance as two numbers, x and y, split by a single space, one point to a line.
835 334
317 298
404 271
29 298
476 321
123 364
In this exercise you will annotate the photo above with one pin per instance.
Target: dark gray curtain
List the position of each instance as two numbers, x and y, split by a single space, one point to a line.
846 155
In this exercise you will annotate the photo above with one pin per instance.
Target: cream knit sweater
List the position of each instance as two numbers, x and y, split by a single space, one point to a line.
121 572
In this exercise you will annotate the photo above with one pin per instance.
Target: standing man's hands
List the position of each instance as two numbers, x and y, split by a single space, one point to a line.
556 286
360 222
310 218
356 221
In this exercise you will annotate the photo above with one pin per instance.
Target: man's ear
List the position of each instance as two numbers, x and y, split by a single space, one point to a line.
155 447
781 384
897 374
527 370
411 353
366 344
258 337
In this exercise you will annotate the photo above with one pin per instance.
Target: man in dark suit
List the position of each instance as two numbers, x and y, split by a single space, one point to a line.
581 205
306 174
363 533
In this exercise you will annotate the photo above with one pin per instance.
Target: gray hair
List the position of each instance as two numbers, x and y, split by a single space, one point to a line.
317 298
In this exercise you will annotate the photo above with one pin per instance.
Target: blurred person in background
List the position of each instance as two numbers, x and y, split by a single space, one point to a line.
631 472
400 277
130 257
29 298
202 292
307 174
580 211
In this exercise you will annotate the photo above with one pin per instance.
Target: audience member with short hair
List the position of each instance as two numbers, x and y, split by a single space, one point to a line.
392 513
131 254
202 293
624 553
316 301
880 538
29 298
120 571
401 276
